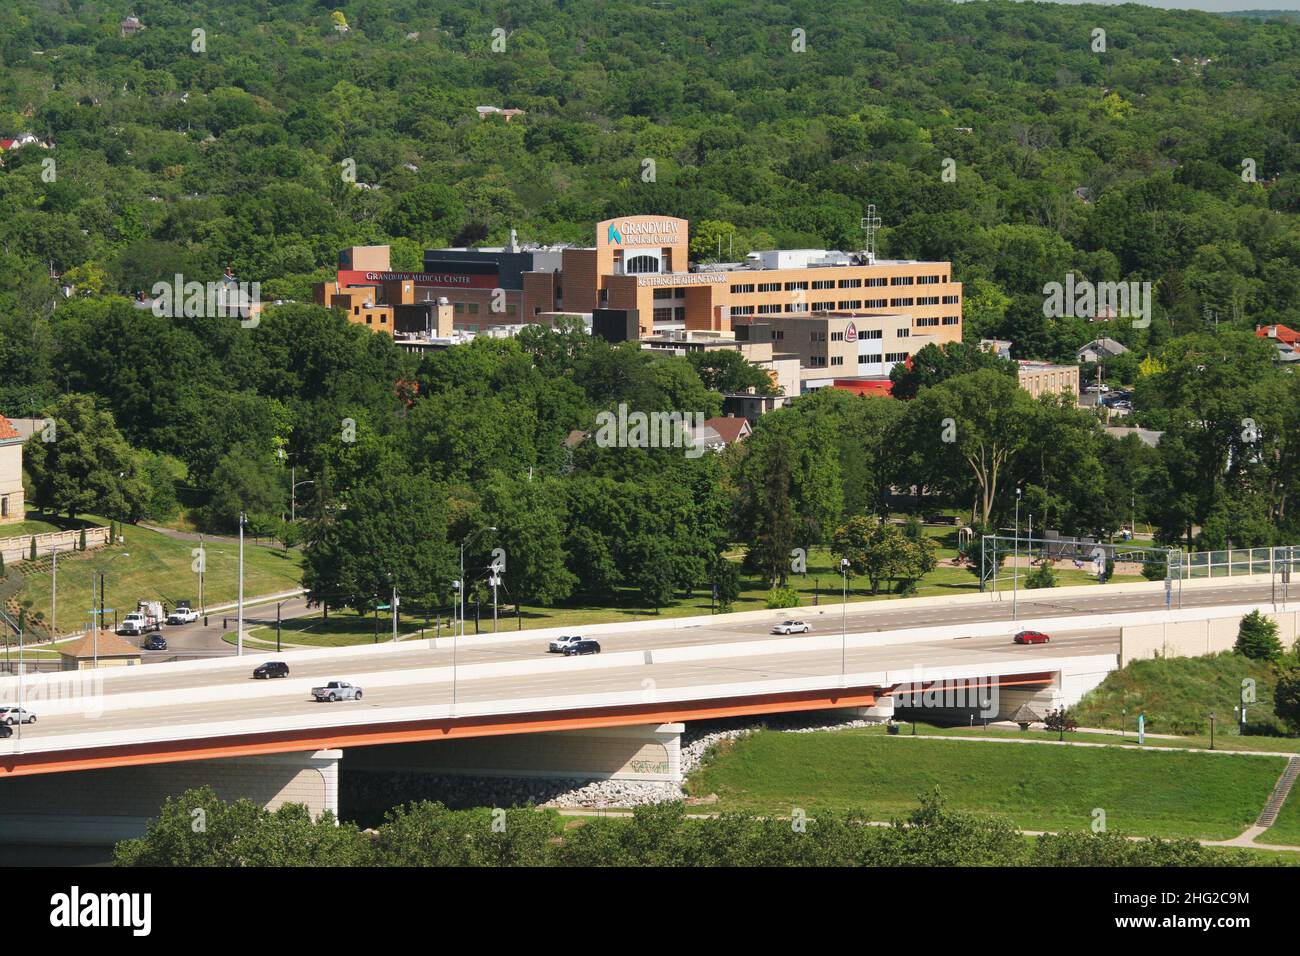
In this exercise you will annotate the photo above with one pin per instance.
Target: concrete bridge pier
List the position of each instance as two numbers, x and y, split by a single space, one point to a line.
640 752
97 808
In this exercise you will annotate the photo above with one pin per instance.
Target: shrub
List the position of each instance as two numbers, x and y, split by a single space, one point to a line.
1060 720
1044 576
33 551
1286 697
782 597
1257 638
1153 570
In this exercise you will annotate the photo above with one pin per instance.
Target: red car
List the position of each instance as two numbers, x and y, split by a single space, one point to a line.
1032 637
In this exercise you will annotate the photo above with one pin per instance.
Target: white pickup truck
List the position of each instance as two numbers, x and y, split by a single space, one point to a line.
558 645
182 614
337 690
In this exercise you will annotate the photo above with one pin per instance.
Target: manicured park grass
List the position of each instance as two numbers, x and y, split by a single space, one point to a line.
343 628
25 529
1286 828
1232 742
155 567
1033 787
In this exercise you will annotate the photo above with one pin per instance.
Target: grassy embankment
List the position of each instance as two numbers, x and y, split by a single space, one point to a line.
1033 787
153 566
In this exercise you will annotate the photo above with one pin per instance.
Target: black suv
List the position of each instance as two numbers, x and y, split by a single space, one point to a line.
272 669
585 646
155 643
6 730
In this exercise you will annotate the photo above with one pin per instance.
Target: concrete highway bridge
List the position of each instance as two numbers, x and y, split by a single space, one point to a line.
110 744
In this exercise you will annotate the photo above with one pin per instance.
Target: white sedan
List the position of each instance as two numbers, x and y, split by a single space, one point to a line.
791 627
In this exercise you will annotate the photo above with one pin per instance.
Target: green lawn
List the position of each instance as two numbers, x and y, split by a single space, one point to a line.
1032 787
39 525
342 629
154 567
1286 828
1232 742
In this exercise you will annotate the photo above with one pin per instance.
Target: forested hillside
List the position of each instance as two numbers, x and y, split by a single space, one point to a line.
770 125
170 160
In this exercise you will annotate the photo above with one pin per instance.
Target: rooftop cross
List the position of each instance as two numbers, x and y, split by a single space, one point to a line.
870 223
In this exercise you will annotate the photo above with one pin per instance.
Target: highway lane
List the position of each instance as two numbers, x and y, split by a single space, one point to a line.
867 617
197 641
567 677
138 680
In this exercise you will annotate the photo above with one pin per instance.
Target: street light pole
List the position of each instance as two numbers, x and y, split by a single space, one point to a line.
54 593
293 493
22 699
844 610
495 580
1015 570
461 600
239 620
99 618
203 560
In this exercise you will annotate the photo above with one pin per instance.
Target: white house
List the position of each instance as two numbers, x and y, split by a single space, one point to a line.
1100 350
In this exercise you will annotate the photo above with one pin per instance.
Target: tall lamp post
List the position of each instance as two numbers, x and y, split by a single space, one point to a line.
1015 570
6 619
239 619
460 596
54 592
293 494
99 618
844 610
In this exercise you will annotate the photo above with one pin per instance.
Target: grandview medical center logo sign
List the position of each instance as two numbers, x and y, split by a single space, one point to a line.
645 231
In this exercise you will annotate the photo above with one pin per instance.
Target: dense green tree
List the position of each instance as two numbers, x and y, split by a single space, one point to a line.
881 552
530 518
386 529
769 514
88 466
199 829
933 364
1257 638
723 370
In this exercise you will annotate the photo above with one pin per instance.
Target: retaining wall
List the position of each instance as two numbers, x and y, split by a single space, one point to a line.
20 548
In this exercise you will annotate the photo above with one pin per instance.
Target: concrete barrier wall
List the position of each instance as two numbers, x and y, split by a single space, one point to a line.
1209 632
20 548
829 613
